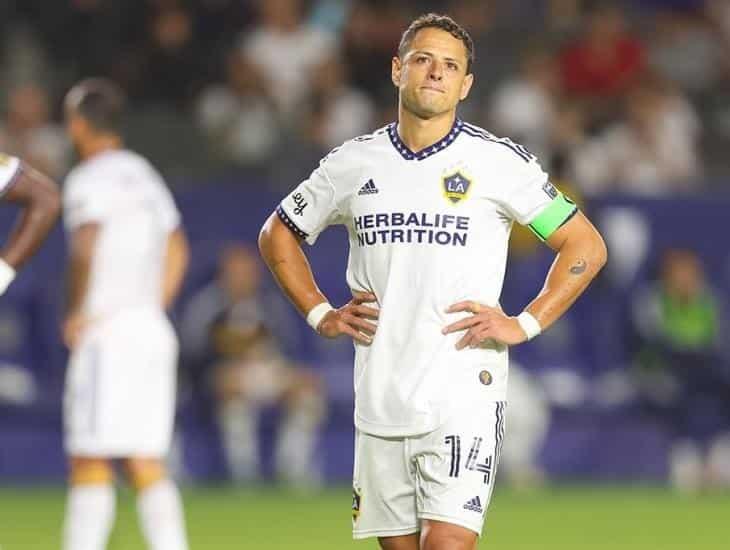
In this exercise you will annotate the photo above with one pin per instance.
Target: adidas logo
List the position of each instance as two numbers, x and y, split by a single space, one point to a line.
474 505
368 189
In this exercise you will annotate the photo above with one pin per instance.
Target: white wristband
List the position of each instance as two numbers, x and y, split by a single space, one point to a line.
7 274
529 324
317 313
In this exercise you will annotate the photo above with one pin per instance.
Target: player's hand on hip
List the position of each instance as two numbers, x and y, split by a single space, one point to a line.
486 323
353 319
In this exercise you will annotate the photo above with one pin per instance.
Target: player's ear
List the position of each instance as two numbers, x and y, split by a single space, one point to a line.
466 86
395 73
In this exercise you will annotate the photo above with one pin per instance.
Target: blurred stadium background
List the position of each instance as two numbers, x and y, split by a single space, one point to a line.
620 420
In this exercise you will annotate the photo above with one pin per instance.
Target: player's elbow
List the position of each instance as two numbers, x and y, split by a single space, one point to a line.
276 240
265 238
599 252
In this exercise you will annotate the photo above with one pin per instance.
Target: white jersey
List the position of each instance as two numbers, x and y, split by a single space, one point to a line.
9 172
426 229
126 196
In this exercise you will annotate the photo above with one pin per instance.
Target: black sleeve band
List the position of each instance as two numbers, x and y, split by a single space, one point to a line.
284 217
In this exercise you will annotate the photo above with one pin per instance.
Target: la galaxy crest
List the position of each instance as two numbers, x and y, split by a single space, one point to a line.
456 186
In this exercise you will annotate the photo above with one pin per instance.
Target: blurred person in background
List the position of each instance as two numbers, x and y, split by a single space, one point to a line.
29 132
496 46
168 65
524 107
86 36
127 258
604 63
677 326
367 43
285 49
687 51
240 116
346 111
654 151
421 204
230 325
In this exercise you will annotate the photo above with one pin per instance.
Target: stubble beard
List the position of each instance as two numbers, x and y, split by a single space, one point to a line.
420 109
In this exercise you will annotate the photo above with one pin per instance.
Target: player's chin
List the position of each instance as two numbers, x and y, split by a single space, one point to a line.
430 109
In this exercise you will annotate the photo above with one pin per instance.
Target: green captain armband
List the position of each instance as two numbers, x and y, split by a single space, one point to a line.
553 217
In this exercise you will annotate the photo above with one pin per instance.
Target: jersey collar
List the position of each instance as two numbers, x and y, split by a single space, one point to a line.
426 152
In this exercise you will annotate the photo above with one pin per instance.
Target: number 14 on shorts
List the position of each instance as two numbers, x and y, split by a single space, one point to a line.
472 461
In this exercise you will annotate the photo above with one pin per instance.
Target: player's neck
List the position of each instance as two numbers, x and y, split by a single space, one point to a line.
418 133
100 145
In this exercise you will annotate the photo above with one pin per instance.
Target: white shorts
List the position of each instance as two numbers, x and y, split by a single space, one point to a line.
120 388
445 475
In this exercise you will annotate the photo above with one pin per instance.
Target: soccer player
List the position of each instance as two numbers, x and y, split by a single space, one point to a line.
40 200
128 255
428 203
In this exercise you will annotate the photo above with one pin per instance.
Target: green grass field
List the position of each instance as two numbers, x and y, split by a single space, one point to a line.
561 519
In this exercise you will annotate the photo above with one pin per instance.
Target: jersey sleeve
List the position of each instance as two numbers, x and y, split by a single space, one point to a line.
83 202
9 171
311 207
170 214
165 206
532 200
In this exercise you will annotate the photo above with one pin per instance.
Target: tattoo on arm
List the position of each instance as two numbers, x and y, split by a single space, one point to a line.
579 267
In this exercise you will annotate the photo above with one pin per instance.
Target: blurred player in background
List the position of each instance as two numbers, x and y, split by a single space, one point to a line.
428 203
677 324
229 326
128 256
40 201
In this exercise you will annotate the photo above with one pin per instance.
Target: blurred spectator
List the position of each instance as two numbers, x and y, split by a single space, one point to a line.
285 50
567 134
218 24
718 12
523 107
232 324
605 62
496 45
86 37
677 328
29 133
239 117
331 15
346 111
369 41
685 50
29 60
563 15
168 66
654 151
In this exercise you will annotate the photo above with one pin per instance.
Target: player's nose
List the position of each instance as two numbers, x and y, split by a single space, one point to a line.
436 72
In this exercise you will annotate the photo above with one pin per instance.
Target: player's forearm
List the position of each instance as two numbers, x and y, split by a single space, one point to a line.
176 264
78 279
283 254
577 263
41 203
83 242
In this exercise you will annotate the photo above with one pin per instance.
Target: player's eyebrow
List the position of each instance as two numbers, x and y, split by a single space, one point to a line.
430 54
